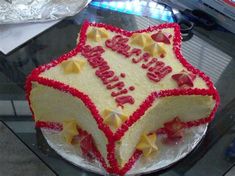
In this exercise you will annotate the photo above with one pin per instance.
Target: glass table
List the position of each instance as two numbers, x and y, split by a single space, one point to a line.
210 51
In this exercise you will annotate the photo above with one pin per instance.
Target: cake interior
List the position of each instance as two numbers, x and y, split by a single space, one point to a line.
51 105
187 108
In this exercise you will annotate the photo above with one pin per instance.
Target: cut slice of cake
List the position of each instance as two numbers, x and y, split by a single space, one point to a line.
121 87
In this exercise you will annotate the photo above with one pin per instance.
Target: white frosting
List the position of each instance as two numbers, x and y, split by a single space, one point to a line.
53 105
164 109
89 83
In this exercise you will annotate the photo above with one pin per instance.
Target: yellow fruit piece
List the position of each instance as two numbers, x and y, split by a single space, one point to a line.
69 130
141 39
73 66
114 118
154 49
147 144
96 34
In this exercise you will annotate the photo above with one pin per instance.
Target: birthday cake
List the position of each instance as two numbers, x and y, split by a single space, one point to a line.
116 89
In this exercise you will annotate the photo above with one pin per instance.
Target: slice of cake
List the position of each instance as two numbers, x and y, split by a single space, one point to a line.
120 87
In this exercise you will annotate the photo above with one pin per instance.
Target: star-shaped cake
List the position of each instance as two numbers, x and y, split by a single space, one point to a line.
120 86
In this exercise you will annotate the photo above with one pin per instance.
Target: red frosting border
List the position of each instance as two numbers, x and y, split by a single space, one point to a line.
147 103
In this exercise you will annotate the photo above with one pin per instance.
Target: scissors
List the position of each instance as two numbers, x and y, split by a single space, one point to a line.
187 19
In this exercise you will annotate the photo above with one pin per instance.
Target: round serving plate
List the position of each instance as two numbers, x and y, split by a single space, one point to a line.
168 153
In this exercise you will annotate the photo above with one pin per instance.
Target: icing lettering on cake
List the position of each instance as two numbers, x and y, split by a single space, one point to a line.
94 57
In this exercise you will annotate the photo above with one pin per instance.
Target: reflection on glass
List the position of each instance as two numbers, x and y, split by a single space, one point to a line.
136 7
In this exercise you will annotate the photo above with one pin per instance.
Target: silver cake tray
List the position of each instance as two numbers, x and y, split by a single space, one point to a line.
168 153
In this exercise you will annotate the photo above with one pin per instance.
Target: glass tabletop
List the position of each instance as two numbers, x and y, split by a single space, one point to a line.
210 51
